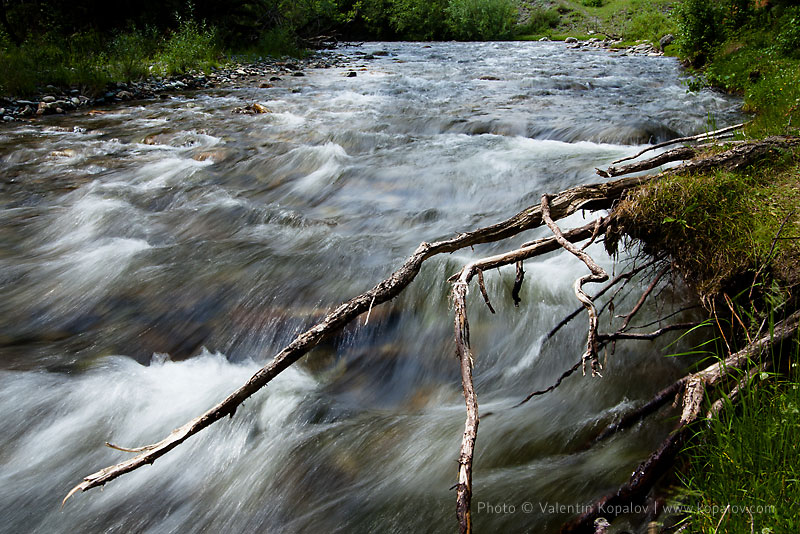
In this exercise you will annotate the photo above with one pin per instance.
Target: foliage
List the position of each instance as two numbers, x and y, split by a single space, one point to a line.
540 21
749 459
699 28
720 227
419 19
191 46
481 19
647 20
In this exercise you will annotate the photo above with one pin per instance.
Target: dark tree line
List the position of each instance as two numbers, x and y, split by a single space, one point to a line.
241 21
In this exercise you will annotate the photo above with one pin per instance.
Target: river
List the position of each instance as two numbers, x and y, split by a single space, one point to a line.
153 256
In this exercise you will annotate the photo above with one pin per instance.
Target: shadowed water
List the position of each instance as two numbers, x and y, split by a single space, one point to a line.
154 256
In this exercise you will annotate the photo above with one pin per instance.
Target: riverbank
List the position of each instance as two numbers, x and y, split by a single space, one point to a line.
261 73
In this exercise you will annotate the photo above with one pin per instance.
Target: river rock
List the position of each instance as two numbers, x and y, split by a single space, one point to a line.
350 74
48 99
666 41
570 40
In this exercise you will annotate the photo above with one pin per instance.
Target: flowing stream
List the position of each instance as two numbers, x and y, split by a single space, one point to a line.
153 256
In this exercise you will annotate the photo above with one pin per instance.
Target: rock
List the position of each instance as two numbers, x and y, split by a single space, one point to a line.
488 77
8 118
298 73
125 95
48 99
67 153
570 40
544 39
665 41
265 85
275 78
351 74
252 109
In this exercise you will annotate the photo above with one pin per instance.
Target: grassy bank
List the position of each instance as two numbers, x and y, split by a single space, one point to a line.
735 236
744 474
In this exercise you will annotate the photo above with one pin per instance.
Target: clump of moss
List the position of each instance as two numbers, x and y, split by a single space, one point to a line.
726 231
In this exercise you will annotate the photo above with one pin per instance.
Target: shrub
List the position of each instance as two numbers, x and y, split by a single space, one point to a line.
192 46
539 21
481 19
419 19
699 28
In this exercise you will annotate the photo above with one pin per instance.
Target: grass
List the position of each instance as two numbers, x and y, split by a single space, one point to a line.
90 61
632 20
745 468
720 228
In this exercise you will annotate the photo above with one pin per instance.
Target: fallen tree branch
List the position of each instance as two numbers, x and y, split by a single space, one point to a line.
699 137
621 334
598 275
596 196
557 383
695 385
464 487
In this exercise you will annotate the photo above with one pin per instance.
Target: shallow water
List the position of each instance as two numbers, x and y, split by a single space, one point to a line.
154 256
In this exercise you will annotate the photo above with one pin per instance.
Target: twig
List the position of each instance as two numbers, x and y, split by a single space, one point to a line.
643 298
482 286
518 279
566 373
620 334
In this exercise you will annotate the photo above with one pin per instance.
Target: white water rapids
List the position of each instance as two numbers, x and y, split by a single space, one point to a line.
154 256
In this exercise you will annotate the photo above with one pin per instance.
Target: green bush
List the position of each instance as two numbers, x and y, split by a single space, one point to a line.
592 3
540 20
481 19
699 28
130 52
278 42
647 21
192 46
788 40
419 19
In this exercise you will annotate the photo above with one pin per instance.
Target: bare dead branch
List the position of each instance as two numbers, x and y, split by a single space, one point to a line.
683 140
623 276
678 154
518 279
598 275
631 418
643 298
561 378
464 487
482 285
649 336
597 196
695 385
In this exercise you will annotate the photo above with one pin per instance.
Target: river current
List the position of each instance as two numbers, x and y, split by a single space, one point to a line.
153 256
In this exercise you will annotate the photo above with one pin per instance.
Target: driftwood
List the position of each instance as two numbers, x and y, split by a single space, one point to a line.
587 197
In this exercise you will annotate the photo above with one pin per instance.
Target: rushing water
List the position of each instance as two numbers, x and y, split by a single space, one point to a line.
153 256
